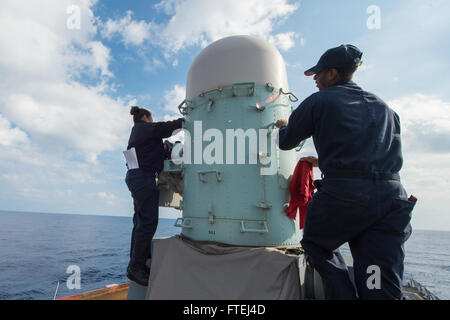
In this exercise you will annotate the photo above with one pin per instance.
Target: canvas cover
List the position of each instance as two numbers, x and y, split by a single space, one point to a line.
184 269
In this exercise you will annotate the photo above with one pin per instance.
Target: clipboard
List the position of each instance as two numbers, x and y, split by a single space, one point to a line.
131 157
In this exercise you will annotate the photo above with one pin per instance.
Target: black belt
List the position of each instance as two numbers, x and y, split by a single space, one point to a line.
361 175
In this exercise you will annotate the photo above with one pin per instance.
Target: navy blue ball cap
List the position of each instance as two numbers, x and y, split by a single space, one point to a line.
344 56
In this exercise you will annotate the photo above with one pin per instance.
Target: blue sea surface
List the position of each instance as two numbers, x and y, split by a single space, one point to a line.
36 250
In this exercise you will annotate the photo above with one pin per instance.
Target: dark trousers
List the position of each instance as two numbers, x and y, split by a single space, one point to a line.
374 218
145 193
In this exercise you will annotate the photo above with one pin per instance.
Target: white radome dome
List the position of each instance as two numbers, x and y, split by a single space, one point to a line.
236 59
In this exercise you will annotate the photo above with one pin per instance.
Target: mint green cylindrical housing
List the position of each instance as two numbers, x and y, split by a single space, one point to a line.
236 203
237 86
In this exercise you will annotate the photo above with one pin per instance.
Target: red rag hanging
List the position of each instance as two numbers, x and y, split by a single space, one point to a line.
301 189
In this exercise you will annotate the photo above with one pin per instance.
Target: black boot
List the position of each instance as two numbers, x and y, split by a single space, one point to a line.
138 275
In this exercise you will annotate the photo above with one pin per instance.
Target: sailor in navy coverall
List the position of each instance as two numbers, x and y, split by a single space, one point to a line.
360 199
146 137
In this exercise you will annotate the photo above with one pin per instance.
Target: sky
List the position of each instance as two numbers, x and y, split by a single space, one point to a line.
70 70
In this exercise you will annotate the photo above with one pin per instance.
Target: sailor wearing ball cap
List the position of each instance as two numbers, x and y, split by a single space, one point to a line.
345 56
360 199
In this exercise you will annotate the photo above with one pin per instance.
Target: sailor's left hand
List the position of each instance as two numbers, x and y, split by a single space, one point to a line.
313 160
281 123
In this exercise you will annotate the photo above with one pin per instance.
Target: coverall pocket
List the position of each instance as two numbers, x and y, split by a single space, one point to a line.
398 219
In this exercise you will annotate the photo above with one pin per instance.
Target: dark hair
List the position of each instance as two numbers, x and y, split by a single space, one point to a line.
346 73
138 113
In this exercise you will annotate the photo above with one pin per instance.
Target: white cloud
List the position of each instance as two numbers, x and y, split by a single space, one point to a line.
425 123
217 19
200 22
285 41
69 115
172 99
35 40
151 65
132 32
108 198
42 95
10 136
167 6
101 56
53 128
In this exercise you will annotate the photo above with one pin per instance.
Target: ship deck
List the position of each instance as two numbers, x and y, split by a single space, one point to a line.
412 291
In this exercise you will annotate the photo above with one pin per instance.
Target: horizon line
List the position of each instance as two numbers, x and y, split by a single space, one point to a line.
104 215
74 214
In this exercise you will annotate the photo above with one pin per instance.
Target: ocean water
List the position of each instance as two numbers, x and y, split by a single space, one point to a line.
36 250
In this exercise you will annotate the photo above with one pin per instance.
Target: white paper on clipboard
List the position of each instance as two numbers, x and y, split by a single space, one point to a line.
131 157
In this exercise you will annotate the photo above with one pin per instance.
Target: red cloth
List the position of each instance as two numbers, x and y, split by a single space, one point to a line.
301 189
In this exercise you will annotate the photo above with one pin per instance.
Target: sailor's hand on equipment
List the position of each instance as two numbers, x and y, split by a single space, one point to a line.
281 123
313 160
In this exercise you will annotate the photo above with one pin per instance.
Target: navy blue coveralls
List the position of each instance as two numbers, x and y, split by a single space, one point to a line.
359 200
146 138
